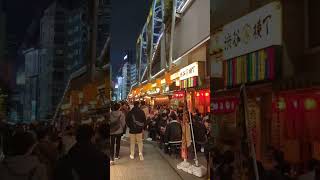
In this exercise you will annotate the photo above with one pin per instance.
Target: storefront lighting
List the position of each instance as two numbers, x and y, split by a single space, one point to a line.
198 94
207 94
154 85
192 49
163 81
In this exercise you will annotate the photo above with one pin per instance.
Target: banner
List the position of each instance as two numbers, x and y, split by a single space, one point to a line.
256 66
224 105
257 30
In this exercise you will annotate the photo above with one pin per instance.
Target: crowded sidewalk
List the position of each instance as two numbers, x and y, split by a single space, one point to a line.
154 165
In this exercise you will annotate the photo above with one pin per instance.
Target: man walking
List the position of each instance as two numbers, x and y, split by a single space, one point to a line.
136 120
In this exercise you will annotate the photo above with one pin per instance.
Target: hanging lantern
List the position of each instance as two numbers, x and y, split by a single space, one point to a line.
310 104
281 104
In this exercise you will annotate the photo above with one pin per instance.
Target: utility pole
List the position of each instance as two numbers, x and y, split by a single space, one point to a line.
93 21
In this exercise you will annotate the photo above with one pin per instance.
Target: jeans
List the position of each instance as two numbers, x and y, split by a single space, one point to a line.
136 138
115 140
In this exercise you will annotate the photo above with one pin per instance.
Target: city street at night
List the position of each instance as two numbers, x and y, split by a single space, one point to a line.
204 89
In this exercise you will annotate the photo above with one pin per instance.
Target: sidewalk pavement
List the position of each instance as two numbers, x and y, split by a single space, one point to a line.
153 167
173 161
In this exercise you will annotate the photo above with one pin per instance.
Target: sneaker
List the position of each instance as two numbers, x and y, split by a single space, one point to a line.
117 158
141 157
131 157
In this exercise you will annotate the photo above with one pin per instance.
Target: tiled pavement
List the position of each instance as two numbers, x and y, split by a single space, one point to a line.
154 167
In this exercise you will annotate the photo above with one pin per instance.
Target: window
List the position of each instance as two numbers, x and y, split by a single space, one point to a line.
313 26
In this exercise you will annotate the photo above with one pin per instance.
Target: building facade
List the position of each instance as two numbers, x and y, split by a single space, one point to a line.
31 97
133 74
77 39
53 71
279 67
125 80
104 22
2 33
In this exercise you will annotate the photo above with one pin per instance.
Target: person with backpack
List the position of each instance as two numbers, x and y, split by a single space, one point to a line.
117 126
20 164
136 121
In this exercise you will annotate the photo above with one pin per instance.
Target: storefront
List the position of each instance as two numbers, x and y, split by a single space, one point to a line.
242 56
296 124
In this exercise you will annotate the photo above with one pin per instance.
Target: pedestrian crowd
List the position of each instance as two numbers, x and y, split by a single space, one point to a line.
41 152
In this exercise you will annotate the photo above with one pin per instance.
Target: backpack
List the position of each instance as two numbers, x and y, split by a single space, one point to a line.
114 126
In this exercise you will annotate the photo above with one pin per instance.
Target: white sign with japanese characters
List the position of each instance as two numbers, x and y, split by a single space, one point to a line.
260 29
189 71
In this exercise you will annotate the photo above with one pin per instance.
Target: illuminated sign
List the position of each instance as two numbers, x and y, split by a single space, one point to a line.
154 85
258 30
174 76
163 81
190 71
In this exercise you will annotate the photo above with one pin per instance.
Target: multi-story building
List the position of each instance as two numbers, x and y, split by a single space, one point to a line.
104 21
2 33
133 74
53 63
119 89
31 98
77 39
126 80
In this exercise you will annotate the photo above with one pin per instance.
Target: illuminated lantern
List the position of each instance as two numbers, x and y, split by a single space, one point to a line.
281 104
207 94
198 94
310 104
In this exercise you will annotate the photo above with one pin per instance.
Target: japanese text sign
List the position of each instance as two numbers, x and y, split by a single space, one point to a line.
255 31
224 105
189 71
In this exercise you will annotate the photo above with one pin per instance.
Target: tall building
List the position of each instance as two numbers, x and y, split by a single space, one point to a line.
2 32
53 62
104 21
31 98
126 80
77 39
119 88
133 74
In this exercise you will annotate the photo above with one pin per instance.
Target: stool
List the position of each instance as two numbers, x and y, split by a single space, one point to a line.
175 148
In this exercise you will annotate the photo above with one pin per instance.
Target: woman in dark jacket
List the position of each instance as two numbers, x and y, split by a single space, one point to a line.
200 132
173 133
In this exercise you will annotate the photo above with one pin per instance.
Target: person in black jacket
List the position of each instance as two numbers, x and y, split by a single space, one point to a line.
136 121
200 132
173 131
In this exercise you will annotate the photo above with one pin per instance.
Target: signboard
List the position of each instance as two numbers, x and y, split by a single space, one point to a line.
189 71
255 31
174 76
224 105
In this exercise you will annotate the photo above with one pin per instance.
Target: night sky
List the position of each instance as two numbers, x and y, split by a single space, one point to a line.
128 18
